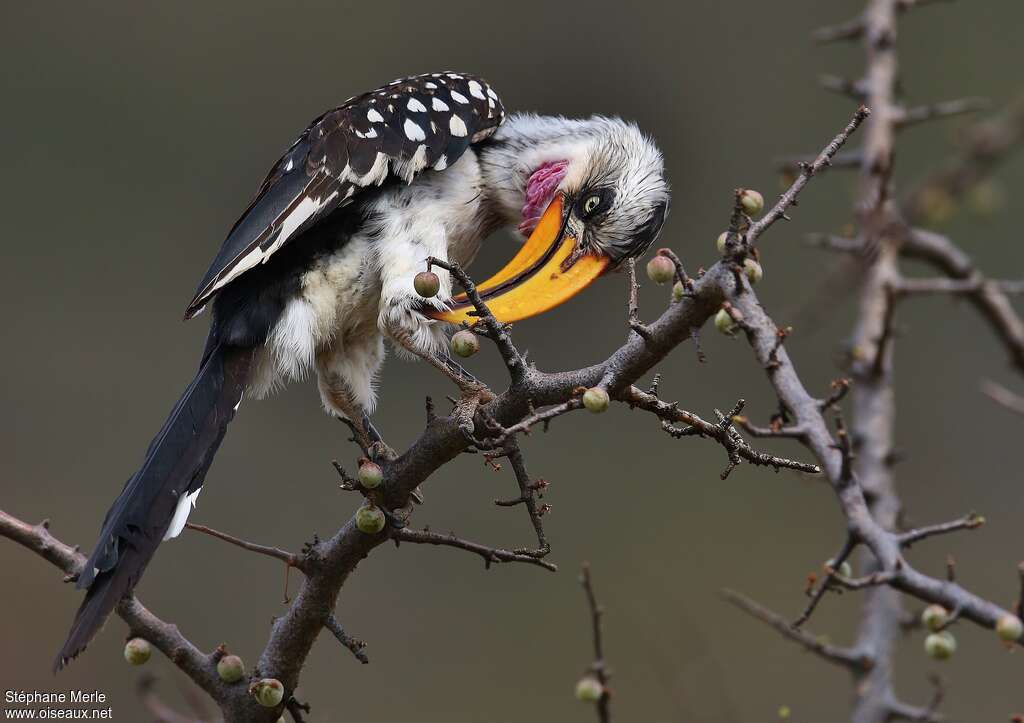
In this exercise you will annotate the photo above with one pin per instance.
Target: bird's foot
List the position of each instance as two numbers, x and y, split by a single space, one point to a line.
377 449
473 396
366 436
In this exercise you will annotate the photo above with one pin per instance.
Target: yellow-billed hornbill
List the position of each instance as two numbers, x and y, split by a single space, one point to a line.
319 270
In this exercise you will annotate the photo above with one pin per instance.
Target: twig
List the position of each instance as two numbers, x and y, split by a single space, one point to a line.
1003 396
826 584
846 657
807 171
356 647
839 244
854 29
489 554
288 558
524 426
922 113
722 433
528 493
840 388
875 579
854 89
781 432
681 276
847 160
1019 607
907 287
297 710
970 521
634 302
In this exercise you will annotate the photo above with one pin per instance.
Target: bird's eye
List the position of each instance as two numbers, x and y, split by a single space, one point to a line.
591 204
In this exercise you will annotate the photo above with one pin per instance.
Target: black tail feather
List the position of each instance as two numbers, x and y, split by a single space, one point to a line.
175 465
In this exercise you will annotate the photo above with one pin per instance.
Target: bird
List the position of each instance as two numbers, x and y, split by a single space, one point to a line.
319 270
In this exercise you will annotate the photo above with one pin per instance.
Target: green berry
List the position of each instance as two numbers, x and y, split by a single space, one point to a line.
426 284
661 270
844 570
678 292
596 399
986 198
137 651
1009 628
751 201
753 270
370 519
940 646
723 238
268 692
934 617
370 474
589 689
937 205
230 669
465 343
724 323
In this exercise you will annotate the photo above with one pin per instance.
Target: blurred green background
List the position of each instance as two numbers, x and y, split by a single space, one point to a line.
134 134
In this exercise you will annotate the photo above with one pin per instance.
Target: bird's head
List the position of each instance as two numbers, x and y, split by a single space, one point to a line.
588 195
614 196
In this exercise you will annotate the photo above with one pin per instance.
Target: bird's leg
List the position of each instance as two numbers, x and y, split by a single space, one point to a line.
366 435
339 401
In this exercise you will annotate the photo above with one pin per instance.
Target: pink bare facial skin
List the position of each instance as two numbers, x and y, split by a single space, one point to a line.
540 189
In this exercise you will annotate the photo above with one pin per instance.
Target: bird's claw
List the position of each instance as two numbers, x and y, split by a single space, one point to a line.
380 450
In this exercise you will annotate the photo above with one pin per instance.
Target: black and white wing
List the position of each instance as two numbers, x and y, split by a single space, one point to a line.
412 124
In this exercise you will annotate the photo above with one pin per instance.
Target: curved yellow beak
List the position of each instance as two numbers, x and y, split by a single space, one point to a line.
534 281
